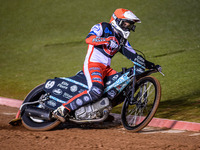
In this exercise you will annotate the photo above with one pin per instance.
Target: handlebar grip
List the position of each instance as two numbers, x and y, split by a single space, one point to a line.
158 68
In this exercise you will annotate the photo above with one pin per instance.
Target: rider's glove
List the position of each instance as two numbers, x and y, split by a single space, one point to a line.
149 65
112 44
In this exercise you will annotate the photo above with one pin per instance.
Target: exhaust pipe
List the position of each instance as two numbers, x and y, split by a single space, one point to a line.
33 111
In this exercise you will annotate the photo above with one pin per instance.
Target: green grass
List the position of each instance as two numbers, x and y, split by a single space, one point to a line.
42 39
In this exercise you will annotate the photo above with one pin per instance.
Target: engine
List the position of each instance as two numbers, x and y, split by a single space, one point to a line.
92 111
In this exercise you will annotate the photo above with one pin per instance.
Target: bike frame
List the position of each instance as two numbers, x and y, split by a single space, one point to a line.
137 71
126 78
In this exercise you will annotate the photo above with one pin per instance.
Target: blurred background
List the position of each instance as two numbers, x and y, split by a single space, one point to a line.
42 39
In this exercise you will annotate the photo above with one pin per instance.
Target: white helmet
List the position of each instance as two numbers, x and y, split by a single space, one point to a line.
118 19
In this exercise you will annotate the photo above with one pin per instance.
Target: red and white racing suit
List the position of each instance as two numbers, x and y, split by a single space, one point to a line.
97 62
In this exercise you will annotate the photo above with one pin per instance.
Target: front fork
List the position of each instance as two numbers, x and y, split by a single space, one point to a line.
141 98
133 89
132 99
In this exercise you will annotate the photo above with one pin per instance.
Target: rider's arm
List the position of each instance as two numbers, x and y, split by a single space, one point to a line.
94 37
130 53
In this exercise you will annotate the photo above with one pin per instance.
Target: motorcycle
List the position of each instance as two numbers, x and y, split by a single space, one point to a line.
140 93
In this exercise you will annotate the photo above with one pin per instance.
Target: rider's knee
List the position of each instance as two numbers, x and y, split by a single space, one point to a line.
96 92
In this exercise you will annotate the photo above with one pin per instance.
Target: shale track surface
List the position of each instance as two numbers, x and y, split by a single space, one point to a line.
108 135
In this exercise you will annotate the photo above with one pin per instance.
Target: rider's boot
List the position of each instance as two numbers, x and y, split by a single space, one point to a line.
60 113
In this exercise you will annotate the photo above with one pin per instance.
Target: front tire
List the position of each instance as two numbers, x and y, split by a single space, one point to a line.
136 114
37 124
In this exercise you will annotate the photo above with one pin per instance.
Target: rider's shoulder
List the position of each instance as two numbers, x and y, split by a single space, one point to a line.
103 24
106 24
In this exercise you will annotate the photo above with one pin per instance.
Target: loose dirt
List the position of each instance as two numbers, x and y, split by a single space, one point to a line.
101 136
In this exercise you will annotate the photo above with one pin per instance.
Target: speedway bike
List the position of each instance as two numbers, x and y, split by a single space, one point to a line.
139 92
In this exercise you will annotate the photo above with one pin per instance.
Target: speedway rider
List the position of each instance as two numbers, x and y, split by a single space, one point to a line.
104 41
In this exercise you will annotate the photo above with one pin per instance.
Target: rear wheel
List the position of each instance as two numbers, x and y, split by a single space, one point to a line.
33 123
137 113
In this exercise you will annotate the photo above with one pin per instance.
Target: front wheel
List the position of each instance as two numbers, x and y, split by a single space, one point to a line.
33 123
139 111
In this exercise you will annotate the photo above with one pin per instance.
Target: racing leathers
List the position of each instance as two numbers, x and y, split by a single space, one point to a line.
103 43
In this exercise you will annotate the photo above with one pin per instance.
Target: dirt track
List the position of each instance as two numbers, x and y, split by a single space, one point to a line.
105 136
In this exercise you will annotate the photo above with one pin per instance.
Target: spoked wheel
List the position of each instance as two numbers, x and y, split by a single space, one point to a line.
35 123
137 113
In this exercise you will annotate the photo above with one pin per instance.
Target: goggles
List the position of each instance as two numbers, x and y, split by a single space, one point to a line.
127 25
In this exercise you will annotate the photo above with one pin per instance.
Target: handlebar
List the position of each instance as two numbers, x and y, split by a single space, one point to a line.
137 64
157 68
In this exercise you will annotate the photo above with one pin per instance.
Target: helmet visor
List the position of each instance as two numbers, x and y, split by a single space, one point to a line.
127 25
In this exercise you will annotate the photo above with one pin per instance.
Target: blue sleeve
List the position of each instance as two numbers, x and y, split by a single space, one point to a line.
130 53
